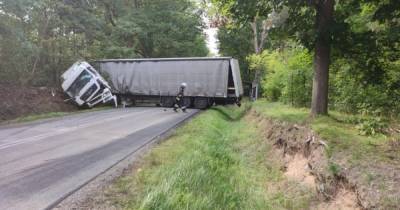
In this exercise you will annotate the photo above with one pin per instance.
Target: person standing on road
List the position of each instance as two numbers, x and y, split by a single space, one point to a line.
179 103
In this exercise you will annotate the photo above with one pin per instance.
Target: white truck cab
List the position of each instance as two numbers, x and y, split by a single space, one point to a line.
86 86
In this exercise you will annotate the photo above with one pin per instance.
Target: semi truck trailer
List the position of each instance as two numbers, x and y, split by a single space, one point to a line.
209 80
133 81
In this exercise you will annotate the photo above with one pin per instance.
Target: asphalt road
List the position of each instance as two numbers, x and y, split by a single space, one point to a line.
43 162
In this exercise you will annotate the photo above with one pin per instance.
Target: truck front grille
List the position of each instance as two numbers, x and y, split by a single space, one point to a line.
88 93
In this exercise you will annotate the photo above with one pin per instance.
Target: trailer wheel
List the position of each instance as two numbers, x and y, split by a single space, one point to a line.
167 101
201 103
187 102
211 102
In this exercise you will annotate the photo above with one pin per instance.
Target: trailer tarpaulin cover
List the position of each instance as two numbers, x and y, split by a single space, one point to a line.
163 77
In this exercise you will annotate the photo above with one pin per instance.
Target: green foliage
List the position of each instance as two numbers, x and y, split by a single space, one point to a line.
204 173
162 28
340 131
40 39
352 93
237 42
334 169
371 126
365 41
279 111
345 147
287 74
224 168
273 69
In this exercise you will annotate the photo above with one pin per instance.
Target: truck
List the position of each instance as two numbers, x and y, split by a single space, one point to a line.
156 81
85 86
209 80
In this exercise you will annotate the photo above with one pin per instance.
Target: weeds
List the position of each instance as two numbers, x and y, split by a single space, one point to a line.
358 136
334 169
217 161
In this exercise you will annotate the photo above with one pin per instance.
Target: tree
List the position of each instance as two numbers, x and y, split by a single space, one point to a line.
355 46
159 28
261 16
41 38
237 42
323 24
247 10
349 26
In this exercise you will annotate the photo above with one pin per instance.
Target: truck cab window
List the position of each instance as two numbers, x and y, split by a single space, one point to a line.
91 70
79 83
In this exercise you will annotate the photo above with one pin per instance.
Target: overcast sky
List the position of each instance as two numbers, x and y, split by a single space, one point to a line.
212 42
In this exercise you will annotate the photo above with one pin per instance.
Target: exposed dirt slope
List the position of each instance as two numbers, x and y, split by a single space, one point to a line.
17 101
340 184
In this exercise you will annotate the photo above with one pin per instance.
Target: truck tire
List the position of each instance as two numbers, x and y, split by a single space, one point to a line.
201 103
167 101
187 102
211 102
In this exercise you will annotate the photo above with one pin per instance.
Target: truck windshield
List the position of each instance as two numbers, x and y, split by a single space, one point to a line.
79 83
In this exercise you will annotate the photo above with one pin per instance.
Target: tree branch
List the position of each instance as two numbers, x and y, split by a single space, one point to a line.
255 34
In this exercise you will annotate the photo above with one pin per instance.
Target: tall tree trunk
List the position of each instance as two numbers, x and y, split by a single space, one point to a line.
255 35
319 104
258 47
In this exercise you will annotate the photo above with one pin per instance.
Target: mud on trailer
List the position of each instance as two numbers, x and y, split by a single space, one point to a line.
209 80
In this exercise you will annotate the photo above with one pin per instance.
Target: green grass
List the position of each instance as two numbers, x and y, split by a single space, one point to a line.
369 159
216 161
337 129
282 112
35 117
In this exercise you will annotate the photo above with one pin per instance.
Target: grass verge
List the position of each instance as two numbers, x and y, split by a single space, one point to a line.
49 115
368 162
219 160
337 129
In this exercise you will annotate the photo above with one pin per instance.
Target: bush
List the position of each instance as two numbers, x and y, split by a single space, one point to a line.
287 75
351 93
371 126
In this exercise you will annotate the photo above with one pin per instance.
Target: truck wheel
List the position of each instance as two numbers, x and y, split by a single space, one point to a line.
167 101
201 103
211 102
187 102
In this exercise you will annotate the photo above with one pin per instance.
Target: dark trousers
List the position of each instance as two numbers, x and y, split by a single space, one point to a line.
179 104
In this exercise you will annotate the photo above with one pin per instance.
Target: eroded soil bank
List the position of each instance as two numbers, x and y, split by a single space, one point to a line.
17 101
339 183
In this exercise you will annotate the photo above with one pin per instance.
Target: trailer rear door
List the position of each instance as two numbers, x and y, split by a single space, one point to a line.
237 77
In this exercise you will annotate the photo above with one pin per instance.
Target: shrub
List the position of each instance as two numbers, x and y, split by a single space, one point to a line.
287 75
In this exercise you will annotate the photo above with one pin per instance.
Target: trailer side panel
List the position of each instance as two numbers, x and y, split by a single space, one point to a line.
205 78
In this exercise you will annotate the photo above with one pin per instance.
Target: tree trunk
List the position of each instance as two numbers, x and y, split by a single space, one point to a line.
257 50
319 104
255 35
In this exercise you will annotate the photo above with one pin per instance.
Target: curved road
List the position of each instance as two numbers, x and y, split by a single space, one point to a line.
43 162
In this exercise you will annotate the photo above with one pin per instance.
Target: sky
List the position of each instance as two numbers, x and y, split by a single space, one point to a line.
212 41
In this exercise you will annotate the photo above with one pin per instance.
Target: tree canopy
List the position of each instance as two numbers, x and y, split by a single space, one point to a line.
358 43
39 39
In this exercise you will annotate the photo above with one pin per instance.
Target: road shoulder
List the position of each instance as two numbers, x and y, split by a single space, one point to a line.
92 194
